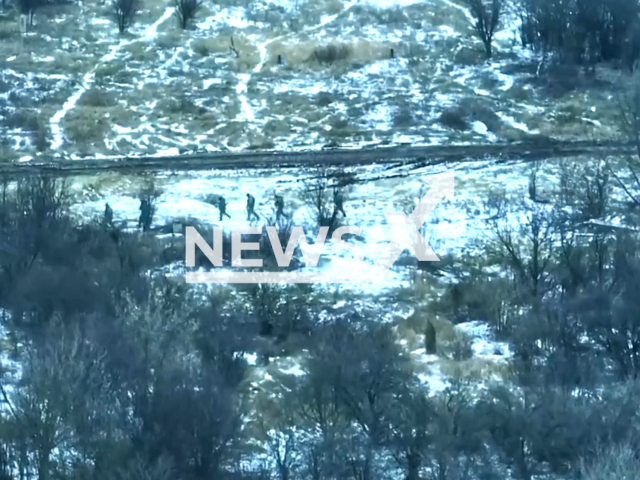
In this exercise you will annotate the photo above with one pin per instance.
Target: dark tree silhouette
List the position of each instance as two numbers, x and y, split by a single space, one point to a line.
487 20
125 12
186 10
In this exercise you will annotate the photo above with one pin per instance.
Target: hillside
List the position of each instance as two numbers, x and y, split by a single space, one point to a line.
158 89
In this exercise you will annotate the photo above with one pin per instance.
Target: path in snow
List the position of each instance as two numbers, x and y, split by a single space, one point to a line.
56 131
246 110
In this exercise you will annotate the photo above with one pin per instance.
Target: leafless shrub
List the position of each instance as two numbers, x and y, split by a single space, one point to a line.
28 7
454 118
460 348
125 12
487 19
40 138
318 194
629 122
97 98
284 228
331 53
186 10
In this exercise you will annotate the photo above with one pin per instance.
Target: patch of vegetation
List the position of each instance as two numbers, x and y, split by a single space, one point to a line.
113 68
179 105
403 118
454 118
169 40
86 125
141 52
324 99
96 97
331 53
467 56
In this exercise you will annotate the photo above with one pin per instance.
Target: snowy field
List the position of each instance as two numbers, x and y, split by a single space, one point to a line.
455 228
452 228
74 83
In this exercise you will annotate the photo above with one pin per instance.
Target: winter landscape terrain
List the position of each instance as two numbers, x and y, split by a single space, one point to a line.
292 75
86 91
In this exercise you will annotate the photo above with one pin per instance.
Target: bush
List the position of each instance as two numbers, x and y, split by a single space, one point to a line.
331 53
324 99
487 19
477 110
125 12
460 348
454 118
96 98
40 139
403 118
186 10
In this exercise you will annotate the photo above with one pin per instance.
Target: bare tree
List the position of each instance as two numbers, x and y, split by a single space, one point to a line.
28 7
487 20
411 417
186 10
629 121
125 12
320 191
526 248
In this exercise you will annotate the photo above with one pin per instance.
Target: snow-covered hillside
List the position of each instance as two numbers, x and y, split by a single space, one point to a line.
161 90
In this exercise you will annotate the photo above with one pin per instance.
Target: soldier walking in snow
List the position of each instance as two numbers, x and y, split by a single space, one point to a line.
430 339
145 215
222 205
108 215
251 205
338 200
279 206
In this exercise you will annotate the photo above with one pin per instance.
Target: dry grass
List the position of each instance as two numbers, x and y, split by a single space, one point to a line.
114 71
90 125
8 154
305 54
220 44
140 52
168 40
95 97
153 10
475 369
9 31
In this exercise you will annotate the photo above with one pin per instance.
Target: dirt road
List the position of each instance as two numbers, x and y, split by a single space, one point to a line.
419 155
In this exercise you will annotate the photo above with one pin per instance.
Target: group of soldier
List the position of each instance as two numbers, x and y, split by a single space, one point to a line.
278 203
144 221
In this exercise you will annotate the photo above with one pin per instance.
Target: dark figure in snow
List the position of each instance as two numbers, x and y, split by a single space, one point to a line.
251 205
280 60
430 339
279 206
457 299
392 54
145 215
532 188
108 215
338 200
222 205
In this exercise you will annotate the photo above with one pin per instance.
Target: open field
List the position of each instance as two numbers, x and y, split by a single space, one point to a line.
74 87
